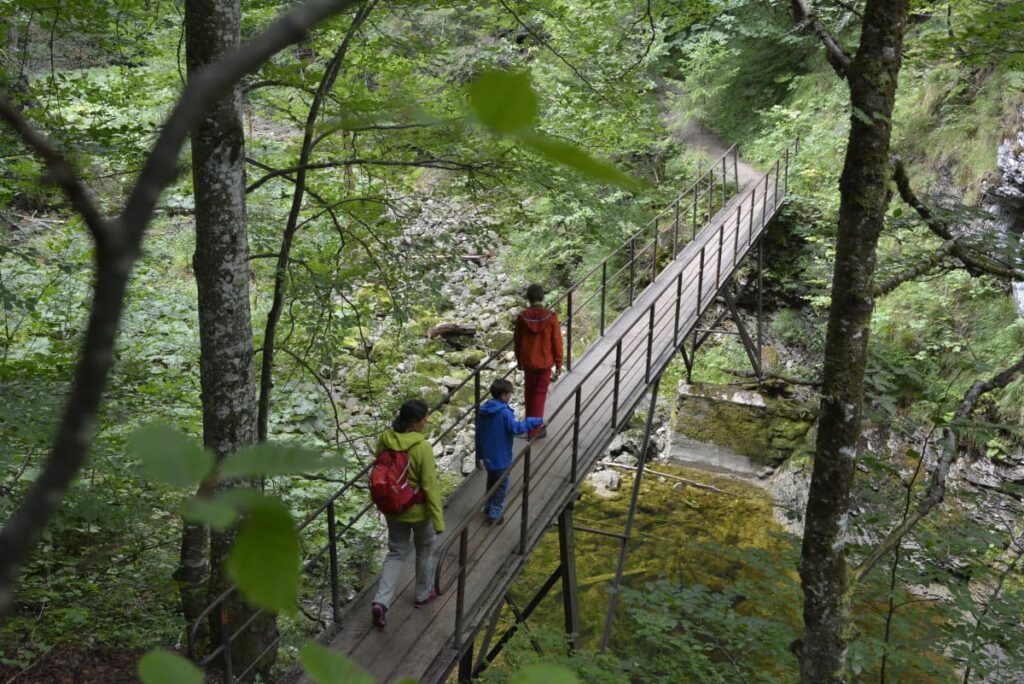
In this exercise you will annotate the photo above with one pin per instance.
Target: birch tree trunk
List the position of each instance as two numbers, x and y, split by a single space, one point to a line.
865 193
212 28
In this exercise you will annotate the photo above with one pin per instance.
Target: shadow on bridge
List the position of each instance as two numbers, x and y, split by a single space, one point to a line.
624 322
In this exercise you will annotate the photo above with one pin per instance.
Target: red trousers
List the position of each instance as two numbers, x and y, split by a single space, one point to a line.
536 392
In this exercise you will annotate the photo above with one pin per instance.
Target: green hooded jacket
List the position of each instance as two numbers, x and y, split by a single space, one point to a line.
422 475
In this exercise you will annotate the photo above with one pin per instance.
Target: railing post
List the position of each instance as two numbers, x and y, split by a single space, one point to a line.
568 331
718 259
775 202
576 432
615 385
632 267
675 231
786 186
736 165
460 592
477 392
604 290
723 182
753 205
650 346
764 212
711 194
679 297
736 240
332 545
693 234
700 280
225 642
524 522
654 253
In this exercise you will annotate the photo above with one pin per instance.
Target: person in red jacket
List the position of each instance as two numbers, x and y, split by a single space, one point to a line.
538 345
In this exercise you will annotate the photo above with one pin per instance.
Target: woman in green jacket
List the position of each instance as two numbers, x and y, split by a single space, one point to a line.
423 521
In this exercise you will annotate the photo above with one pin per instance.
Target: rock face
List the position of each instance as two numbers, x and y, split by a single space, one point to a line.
1005 201
766 429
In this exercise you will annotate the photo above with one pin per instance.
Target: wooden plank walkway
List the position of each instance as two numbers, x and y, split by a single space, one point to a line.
421 643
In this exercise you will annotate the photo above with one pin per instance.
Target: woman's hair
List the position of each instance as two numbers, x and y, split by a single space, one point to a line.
411 411
535 294
499 387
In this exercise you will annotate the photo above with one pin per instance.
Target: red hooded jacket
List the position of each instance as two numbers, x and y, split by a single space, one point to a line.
538 339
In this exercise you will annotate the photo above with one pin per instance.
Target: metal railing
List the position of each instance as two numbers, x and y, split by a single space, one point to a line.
634 356
605 292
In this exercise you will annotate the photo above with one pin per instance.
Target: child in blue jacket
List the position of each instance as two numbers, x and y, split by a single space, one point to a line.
496 425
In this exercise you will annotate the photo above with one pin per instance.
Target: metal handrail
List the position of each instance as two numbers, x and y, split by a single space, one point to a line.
327 508
461 531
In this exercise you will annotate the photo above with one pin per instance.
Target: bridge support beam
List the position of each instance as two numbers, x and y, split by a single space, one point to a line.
631 514
751 344
570 594
466 666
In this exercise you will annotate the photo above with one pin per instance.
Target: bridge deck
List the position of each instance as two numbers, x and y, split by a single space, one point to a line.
420 643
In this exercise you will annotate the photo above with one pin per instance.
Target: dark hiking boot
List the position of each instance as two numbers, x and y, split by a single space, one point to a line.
430 597
380 615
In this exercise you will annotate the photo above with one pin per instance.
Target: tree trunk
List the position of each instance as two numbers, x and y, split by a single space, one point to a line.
212 27
865 193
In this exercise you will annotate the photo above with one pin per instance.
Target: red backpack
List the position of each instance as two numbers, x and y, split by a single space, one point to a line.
389 483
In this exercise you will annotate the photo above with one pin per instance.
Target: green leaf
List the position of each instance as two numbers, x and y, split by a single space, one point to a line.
163 667
504 101
577 159
264 560
859 114
543 673
325 666
271 459
218 512
169 456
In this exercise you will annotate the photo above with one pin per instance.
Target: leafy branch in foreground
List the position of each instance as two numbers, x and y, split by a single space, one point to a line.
936 491
118 244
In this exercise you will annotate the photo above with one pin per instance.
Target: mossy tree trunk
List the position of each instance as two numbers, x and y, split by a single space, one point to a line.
865 192
212 28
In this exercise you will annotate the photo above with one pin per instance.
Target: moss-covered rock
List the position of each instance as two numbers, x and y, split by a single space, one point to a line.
466 357
367 383
433 367
497 339
766 429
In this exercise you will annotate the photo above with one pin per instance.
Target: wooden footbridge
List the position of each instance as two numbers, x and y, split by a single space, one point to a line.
624 322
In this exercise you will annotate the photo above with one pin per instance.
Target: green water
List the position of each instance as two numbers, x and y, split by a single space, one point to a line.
725 544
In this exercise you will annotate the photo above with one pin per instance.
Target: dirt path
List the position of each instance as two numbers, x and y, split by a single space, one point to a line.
695 135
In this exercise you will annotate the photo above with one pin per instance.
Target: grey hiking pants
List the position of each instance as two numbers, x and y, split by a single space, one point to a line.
398 549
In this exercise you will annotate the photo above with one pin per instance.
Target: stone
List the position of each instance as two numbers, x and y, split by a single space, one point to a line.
617 446
626 459
468 464
606 483
498 339
766 429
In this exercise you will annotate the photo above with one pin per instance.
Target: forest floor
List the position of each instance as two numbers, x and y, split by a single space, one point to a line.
75 665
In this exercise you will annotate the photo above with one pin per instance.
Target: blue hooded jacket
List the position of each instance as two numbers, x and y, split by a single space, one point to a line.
495 426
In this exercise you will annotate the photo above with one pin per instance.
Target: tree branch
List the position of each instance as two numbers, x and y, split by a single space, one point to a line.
447 164
835 54
117 247
292 225
970 259
936 491
205 87
61 173
553 51
918 269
